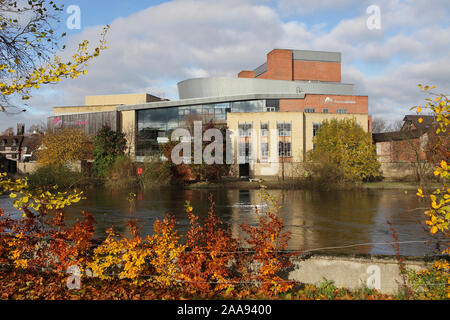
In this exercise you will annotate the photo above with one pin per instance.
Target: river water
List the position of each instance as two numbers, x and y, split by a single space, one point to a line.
356 220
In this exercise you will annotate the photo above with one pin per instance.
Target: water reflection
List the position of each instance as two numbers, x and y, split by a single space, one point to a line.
315 219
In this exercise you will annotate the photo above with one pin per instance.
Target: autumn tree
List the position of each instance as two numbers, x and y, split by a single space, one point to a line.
61 147
438 214
8 132
200 171
343 151
28 47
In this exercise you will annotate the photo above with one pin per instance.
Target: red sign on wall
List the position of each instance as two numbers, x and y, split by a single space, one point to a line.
139 170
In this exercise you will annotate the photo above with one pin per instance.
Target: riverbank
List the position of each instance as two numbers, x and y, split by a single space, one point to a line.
26 285
318 276
274 184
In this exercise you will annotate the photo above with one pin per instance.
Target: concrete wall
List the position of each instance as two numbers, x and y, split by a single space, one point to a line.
272 118
301 138
80 109
30 167
120 99
352 272
398 170
27 167
128 126
223 86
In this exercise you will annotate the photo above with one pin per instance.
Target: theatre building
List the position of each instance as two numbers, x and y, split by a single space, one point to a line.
290 94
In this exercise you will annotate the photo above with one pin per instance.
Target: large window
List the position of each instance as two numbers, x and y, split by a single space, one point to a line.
264 142
284 149
244 143
284 129
316 127
248 106
160 122
284 139
342 111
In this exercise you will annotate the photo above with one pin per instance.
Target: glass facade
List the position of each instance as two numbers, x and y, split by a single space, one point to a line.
155 125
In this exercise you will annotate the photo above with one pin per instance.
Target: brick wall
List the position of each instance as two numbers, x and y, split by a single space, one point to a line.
317 70
279 65
317 101
246 74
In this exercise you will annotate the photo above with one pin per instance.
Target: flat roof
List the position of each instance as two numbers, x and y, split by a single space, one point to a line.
211 100
309 55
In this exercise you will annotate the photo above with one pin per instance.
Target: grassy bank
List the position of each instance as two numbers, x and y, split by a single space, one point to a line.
399 185
157 174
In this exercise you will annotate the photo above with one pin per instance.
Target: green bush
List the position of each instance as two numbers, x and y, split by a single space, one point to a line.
343 153
108 145
50 175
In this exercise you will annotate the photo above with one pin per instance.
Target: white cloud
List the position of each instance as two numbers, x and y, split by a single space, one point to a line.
153 49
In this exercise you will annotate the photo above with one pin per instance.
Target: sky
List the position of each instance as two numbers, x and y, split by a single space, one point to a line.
155 44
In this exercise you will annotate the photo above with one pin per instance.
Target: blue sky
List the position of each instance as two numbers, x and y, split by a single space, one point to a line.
95 12
155 44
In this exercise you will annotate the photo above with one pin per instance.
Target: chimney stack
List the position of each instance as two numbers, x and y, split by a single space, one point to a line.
20 129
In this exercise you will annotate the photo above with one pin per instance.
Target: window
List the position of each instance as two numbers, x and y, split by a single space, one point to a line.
272 105
264 129
342 111
310 110
284 149
4 141
245 130
325 110
284 129
284 139
244 150
264 142
244 145
316 127
264 150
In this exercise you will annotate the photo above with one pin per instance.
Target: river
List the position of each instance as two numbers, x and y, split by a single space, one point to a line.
355 220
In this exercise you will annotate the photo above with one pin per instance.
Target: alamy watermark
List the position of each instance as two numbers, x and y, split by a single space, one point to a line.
374 20
374 280
190 147
74 19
